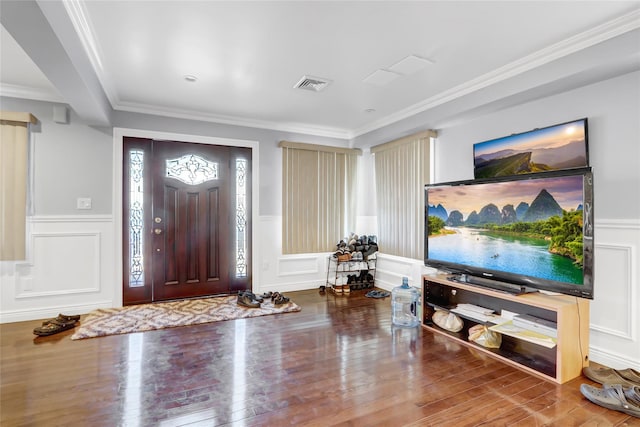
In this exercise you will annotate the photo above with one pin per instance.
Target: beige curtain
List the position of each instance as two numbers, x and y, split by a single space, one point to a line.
402 170
14 145
318 196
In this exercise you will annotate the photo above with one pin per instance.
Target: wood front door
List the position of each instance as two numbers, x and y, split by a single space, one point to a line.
186 212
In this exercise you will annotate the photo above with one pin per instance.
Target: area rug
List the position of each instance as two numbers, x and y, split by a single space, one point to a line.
148 317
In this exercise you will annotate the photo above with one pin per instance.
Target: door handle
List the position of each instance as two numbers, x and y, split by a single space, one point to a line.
157 230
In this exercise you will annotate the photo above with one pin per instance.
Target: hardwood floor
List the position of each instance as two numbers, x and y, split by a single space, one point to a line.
337 362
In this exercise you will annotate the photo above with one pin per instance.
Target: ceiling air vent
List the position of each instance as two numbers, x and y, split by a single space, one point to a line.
315 84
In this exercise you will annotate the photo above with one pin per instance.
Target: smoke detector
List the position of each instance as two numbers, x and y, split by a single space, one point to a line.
315 84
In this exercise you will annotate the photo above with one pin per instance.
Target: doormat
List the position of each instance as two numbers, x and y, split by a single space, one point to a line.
149 317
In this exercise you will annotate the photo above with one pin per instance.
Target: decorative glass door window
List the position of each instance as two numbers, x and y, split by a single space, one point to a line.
192 169
241 218
136 218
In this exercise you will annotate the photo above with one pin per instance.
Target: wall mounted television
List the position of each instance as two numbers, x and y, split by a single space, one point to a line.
518 234
557 147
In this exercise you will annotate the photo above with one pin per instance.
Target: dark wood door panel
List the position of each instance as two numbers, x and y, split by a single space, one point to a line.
195 221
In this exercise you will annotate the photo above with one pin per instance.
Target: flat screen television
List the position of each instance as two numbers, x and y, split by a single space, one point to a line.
557 147
519 234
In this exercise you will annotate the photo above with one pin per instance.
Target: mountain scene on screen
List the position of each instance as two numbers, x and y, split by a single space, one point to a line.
543 207
543 220
513 162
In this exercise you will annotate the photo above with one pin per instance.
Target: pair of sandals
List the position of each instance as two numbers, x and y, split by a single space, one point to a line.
61 323
377 294
614 396
278 299
620 389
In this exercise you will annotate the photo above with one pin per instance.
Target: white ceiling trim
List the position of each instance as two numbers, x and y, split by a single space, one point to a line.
79 17
599 34
236 121
17 91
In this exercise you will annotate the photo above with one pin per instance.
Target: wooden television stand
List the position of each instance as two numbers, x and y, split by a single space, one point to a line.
560 363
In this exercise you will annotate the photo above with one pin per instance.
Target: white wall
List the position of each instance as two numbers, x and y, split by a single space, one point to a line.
70 161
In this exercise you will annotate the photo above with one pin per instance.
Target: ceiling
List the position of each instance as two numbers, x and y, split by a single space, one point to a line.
246 57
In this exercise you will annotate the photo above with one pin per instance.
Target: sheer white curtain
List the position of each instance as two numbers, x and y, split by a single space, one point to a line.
318 196
402 170
14 148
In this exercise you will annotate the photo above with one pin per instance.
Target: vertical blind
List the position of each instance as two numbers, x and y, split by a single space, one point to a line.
318 196
14 145
402 170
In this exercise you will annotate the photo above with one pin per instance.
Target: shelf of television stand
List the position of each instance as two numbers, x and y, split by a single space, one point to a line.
560 363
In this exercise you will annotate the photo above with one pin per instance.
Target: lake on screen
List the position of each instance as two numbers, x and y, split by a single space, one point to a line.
514 254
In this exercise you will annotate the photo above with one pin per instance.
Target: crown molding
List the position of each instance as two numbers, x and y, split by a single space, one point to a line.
576 43
79 17
236 121
23 92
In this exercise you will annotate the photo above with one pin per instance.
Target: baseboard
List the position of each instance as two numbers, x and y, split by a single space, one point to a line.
290 287
49 312
612 360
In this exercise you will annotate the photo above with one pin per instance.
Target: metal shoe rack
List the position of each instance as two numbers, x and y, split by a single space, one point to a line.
357 274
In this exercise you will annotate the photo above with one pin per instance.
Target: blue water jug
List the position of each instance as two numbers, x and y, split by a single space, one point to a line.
404 305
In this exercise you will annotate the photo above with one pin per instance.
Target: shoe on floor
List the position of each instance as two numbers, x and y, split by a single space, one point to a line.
612 397
377 294
280 299
53 327
63 318
631 393
623 377
245 300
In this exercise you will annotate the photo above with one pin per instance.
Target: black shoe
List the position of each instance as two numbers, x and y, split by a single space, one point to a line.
252 295
245 300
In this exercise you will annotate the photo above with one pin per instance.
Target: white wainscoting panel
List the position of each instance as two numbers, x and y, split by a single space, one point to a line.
391 269
295 265
615 321
69 269
285 273
613 288
63 263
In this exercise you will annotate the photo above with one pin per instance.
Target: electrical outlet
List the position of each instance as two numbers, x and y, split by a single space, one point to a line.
83 203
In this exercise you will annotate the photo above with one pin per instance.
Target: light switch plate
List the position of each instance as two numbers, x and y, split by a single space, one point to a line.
83 203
